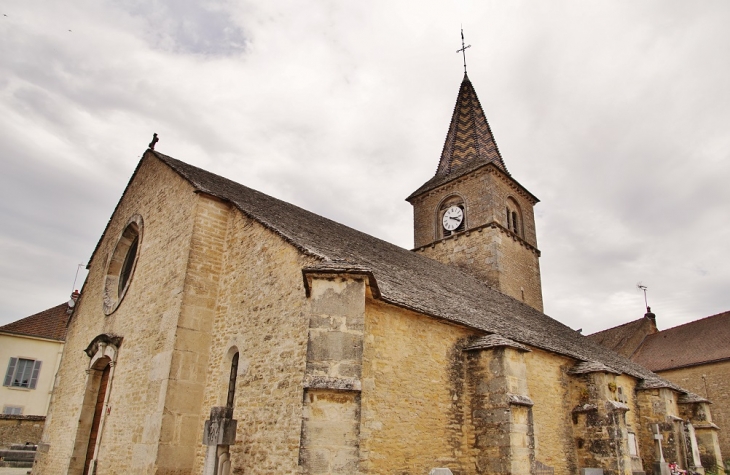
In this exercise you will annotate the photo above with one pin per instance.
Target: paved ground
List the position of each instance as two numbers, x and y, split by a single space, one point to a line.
13 471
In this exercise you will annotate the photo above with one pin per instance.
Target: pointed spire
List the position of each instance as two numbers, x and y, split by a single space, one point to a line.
469 141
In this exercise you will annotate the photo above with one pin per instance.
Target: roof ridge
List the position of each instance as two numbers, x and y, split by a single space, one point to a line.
616 327
404 278
694 322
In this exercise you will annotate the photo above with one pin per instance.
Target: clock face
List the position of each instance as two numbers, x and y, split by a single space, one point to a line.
453 218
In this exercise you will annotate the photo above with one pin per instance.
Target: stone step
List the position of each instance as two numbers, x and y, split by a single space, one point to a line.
16 465
31 447
17 455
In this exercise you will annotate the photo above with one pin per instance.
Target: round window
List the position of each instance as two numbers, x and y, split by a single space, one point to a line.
120 268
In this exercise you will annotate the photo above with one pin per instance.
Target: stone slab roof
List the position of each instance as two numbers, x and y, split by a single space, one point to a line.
495 341
50 324
405 278
585 367
469 141
694 343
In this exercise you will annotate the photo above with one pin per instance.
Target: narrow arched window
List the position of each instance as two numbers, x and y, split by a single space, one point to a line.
232 381
514 217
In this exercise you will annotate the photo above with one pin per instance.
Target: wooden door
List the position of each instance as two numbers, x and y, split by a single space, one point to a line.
99 408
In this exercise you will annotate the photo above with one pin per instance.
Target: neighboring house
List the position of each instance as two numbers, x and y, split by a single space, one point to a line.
313 348
30 352
695 355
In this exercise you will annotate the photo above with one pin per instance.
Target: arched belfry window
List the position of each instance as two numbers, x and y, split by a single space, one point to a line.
513 217
451 217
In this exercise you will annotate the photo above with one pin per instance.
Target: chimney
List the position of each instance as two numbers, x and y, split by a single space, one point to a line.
72 303
652 319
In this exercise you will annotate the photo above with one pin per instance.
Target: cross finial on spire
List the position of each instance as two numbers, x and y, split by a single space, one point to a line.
463 48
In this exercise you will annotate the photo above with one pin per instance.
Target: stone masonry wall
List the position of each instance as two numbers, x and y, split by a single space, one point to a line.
189 361
262 313
146 318
658 406
20 429
495 256
500 412
485 194
715 386
547 382
331 421
487 249
413 394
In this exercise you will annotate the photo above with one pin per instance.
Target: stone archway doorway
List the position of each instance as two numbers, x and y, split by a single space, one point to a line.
98 411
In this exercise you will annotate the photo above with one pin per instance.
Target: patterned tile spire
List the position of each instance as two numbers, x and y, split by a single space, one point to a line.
469 141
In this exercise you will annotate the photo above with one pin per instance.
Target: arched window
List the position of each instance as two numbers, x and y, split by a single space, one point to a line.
232 381
513 215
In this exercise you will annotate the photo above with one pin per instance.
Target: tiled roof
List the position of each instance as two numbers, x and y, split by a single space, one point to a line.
617 338
49 324
469 142
404 278
694 343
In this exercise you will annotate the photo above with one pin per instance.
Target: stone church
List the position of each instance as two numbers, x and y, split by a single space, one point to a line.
223 331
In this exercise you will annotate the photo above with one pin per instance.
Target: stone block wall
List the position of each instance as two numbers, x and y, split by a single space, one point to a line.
485 194
600 423
331 421
487 249
711 381
262 313
414 398
146 318
189 361
659 407
501 411
20 429
548 385
495 256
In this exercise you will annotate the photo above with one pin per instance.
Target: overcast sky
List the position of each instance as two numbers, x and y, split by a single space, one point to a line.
616 114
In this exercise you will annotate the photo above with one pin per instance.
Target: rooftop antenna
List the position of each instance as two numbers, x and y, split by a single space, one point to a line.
640 286
73 288
463 48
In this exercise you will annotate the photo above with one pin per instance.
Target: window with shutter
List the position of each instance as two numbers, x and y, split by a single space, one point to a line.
11 371
22 373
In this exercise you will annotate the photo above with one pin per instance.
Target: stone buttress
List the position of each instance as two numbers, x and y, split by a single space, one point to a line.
330 435
501 412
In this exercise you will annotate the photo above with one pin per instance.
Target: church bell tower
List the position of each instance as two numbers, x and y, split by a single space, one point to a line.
473 214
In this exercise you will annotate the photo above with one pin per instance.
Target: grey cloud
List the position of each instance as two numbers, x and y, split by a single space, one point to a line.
189 26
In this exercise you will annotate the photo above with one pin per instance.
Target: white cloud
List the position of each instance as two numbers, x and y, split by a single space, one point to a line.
613 113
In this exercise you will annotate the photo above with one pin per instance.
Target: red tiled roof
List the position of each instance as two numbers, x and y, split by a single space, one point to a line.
694 343
627 338
49 324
